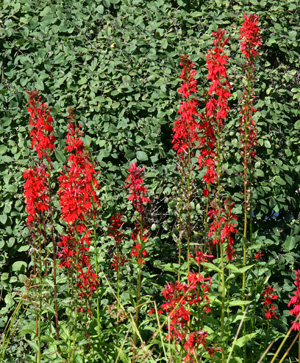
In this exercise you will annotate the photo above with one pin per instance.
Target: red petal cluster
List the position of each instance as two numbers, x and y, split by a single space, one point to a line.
78 185
138 250
201 256
41 126
223 225
269 295
295 300
217 74
180 298
136 186
185 127
258 255
216 108
79 203
116 233
36 192
250 36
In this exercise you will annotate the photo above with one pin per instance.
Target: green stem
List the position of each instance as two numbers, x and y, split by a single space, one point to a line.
40 306
205 223
98 301
219 239
189 208
53 247
181 163
141 231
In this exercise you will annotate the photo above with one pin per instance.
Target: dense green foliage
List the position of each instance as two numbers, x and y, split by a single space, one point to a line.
116 63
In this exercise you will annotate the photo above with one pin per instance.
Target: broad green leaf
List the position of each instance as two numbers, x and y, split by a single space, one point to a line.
211 266
141 155
19 265
245 339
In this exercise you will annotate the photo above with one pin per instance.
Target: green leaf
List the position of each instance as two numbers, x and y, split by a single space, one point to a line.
19 265
245 339
292 243
141 155
60 156
279 180
239 302
122 355
3 218
211 266
39 85
3 149
259 172
235 269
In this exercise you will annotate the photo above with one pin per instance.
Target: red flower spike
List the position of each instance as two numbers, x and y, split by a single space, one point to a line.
216 108
36 192
250 40
79 203
185 127
41 126
136 187
250 36
295 301
138 250
78 185
116 233
178 297
227 226
269 295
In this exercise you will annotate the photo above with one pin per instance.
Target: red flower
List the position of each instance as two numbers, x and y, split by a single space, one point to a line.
216 107
178 297
188 73
250 36
41 126
225 226
36 192
78 185
138 250
185 127
79 203
269 295
116 233
201 256
250 41
258 255
137 189
193 341
295 301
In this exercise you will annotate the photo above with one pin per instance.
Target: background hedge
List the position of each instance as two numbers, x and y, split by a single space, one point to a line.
117 63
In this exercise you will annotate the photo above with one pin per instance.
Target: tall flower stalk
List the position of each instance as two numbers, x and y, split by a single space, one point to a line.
37 193
185 136
138 192
250 41
212 123
79 205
